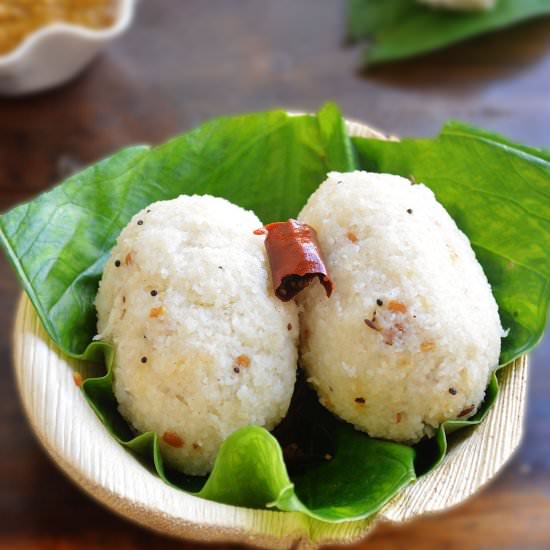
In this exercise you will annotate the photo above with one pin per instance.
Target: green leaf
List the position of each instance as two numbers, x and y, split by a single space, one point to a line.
457 128
402 28
498 194
249 471
271 162
359 477
58 243
362 475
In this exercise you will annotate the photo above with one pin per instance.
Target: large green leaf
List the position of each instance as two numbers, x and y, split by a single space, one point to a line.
499 195
59 242
402 28
360 477
457 128
271 162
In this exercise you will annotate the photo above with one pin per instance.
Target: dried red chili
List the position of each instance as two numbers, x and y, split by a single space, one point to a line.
295 258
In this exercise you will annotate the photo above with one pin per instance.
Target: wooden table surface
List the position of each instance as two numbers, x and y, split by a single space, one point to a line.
183 62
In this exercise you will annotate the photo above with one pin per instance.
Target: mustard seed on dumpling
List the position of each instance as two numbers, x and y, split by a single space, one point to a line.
411 333
202 345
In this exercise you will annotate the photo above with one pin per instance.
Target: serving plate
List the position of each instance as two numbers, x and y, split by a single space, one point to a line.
78 443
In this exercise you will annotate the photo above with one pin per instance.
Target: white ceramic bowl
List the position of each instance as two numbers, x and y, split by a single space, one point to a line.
55 53
79 444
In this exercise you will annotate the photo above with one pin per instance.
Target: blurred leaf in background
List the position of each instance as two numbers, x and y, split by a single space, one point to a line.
400 29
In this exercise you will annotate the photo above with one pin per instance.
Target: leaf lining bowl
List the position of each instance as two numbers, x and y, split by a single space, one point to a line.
76 440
